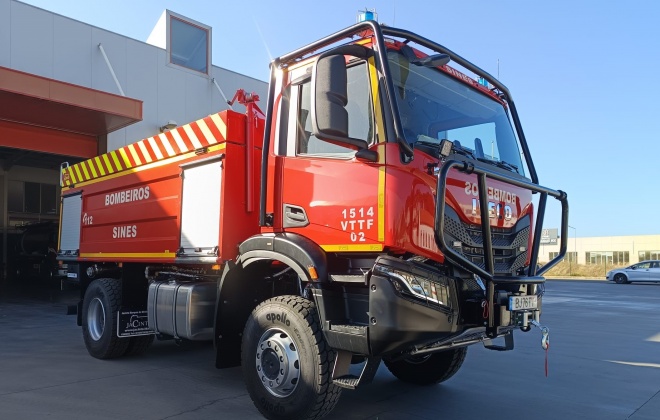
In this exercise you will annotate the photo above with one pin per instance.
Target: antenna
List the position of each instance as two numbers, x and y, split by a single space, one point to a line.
394 17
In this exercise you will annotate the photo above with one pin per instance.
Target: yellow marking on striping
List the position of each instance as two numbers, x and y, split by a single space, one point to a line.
381 203
166 144
179 141
71 175
116 160
192 136
128 255
380 125
380 130
134 153
155 148
155 164
80 177
84 169
207 133
222 127
352 247
99 164
91 168
108 165
144 151
124 156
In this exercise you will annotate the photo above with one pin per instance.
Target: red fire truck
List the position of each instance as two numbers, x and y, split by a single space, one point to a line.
380 209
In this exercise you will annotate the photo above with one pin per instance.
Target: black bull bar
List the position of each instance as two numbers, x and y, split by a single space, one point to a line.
483 172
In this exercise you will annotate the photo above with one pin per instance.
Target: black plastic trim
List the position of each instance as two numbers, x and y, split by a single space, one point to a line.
297 251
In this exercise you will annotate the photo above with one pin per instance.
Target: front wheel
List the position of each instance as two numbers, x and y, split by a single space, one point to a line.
620 279
99 319
429 369
287 364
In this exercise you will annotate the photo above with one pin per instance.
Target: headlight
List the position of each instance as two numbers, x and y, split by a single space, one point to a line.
432 289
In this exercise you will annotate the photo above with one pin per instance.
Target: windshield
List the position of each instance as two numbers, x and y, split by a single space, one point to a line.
436 106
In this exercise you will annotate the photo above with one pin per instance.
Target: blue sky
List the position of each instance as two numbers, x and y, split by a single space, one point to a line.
584 75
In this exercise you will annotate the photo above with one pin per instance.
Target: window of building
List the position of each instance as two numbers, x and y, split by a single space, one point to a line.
648 255
189 43
569 257
360 121
608 257
32 197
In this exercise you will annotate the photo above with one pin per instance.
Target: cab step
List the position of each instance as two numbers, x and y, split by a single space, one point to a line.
341 376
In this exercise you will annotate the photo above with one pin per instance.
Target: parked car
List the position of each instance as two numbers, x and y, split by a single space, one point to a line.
642 271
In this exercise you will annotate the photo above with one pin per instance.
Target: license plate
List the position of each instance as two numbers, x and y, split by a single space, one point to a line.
523 303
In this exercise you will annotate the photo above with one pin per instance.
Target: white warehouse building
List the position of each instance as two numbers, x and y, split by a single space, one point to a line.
70 91
605 250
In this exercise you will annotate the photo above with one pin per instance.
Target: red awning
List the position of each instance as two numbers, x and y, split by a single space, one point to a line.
35 100
71 114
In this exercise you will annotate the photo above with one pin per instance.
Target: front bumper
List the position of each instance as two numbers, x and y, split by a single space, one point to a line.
403 322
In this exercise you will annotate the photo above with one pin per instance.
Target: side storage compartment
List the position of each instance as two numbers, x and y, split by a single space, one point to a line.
182 310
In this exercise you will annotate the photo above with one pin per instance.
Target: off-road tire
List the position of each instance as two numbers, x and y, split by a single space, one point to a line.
99 319
292 321
139 345
430 369
620 279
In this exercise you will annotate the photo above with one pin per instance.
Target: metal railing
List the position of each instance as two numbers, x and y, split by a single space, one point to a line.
488 273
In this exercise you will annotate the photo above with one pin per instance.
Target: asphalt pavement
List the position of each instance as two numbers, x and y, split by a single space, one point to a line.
603 363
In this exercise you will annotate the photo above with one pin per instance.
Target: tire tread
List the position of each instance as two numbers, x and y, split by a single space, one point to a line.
329 393
117 346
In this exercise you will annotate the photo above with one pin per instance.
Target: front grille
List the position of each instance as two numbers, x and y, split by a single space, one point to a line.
507 243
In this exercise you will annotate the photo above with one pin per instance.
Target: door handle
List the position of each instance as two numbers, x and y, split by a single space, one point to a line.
300 217
295 216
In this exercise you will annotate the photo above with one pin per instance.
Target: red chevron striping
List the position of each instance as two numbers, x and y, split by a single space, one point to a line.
156 147
214 129
199 134
186 139
92 168
146 148
172 142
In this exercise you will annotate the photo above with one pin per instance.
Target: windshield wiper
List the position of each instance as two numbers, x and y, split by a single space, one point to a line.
500 164
458 148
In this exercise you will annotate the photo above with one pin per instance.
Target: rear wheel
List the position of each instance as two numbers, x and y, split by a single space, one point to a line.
620 278
99 318
429 369
287 364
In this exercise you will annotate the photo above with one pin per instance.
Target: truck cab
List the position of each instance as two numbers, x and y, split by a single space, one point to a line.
399 192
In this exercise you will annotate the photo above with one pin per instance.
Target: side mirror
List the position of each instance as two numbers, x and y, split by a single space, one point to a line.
330 96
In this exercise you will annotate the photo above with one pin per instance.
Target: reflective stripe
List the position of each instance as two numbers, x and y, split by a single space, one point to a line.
206 132
144 151
134 154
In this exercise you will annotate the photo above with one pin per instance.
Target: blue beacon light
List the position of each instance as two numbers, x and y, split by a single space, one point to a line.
364 15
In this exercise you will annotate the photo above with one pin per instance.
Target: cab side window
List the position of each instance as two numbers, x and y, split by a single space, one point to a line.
360 121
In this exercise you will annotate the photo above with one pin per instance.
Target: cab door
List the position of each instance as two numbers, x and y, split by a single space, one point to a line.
328 194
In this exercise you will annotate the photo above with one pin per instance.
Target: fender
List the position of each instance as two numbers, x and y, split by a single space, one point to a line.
241 287
297 251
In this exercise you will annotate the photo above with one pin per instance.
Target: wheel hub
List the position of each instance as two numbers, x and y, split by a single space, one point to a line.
277 363
96 319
